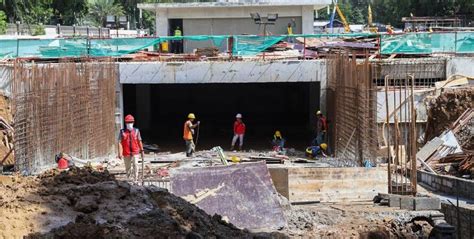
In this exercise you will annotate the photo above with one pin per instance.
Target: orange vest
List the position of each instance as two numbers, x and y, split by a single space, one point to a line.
187 134
130 142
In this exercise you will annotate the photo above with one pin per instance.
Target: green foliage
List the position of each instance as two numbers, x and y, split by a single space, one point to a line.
3 22
100 9
38 30
70 12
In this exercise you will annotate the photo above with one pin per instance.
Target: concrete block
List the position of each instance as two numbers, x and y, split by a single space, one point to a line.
407 203
394 200
425 203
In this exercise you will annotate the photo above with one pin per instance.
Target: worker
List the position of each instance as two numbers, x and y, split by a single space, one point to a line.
64 161
239 132
389 29
315 151
289 30
178 44
188 132
278 141
321 129
130 147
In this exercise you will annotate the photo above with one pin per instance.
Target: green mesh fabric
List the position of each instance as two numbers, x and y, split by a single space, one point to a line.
245 45
427 43
252 45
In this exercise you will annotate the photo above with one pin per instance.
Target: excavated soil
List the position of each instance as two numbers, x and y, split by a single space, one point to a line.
445 109
6 139
82 203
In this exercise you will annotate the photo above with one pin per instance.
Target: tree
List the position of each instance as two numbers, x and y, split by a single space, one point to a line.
70 12
3 22
100 9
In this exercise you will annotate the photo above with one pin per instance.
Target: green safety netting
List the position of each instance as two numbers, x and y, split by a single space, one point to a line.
427 43
243 45
252 45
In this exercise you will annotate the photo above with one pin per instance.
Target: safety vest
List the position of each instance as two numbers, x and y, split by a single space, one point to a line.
187 134
177 33
130 142
290 30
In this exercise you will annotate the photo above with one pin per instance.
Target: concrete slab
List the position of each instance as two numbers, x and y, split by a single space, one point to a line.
330 184
222 72
242 193
427 203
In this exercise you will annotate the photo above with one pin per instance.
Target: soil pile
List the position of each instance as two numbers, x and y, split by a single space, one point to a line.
6 135
445 109
82 203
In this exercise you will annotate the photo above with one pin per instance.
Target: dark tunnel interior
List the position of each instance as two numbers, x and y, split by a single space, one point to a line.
160 111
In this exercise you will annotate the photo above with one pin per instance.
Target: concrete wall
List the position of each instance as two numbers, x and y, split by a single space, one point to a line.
465 226
329 184
222 72
234 15
460 65
447 184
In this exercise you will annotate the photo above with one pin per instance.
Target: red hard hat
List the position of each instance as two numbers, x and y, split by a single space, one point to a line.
129 119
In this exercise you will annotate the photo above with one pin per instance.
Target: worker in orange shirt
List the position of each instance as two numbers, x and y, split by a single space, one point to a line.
188 132
130 147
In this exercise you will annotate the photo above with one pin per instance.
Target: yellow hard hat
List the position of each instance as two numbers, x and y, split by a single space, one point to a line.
235 159
323 146
277 133
319 112
191 116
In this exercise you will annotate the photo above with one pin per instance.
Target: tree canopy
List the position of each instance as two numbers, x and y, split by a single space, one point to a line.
93 12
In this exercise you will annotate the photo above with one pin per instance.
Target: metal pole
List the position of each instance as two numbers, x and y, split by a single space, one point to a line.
413 137
304 48
264 37
388 133
143 169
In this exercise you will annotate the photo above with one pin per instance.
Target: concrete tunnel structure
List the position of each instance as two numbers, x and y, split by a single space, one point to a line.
280 95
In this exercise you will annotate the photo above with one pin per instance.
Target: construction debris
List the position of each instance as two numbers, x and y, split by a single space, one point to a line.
208 51
82 203
458 164
445 109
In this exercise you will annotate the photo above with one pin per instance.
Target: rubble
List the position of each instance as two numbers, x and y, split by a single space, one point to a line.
82 203
6 132
445 109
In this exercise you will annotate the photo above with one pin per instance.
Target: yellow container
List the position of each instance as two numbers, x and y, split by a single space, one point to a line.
164 46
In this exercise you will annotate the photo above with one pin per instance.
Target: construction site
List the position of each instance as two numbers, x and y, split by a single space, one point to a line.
398 154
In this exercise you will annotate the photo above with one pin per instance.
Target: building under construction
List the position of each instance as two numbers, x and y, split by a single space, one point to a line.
399 110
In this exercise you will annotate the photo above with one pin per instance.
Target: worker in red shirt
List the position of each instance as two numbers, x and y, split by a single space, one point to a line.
239 132
321 129
130 147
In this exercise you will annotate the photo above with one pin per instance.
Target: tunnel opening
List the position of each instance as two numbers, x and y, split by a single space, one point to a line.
161 110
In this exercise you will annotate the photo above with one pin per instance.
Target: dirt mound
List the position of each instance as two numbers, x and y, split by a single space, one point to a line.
445 109
6 136
82 203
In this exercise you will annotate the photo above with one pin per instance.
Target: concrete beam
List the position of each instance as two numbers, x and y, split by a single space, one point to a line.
161 23
307 16
330 184
222 72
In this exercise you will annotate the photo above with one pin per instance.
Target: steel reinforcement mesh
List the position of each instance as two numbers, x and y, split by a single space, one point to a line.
351 106
62 107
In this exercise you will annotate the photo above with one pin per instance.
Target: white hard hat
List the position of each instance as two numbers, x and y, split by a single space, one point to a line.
238 116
